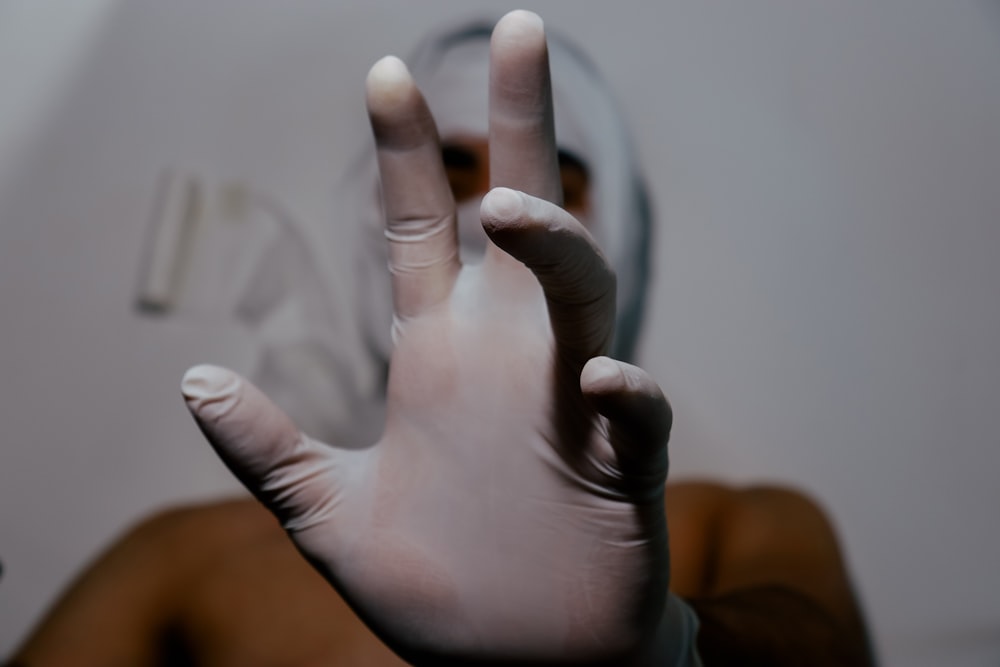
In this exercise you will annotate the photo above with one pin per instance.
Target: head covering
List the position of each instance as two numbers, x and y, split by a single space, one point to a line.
451 67
331 378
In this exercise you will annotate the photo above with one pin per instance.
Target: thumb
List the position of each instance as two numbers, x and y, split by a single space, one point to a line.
290 473
639 420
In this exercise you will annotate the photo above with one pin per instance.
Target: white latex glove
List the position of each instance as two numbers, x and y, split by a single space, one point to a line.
498 519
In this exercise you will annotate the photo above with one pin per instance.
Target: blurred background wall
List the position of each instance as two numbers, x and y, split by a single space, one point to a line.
825 311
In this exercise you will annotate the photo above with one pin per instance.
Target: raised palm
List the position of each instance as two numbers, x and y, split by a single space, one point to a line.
499 518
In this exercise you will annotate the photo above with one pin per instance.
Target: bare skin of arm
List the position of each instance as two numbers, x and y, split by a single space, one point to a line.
762 568
187 584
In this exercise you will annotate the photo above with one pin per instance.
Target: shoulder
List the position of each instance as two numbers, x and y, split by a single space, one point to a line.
167 548
115 610
723 496
182 538
713 505
714 525
758 516
214 524
764 570
159 555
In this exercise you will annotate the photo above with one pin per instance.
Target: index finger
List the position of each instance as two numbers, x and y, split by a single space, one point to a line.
419 207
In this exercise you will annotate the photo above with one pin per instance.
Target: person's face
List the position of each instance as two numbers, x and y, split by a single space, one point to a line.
467 163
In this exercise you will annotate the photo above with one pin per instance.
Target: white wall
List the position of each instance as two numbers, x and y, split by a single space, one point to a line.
827 177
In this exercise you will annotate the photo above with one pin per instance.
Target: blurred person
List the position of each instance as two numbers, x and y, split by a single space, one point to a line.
513 509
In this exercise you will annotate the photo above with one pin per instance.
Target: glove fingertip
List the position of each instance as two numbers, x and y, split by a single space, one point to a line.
210 391
601 376
501 207
628 397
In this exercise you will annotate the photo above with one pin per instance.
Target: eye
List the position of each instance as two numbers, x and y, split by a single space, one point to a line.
456 157
467 171
575 182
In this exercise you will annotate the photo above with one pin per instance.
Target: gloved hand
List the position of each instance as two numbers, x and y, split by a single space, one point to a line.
500 518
